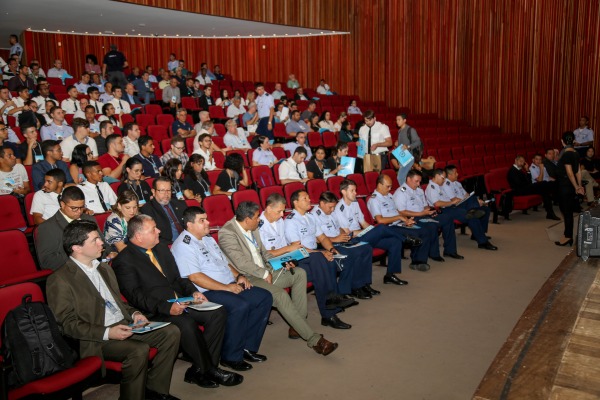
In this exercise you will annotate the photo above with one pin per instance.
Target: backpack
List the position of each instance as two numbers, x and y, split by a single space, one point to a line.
417 152
33 343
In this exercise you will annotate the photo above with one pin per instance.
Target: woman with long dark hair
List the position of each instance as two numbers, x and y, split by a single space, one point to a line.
132 180
232 176
81 154
569 186
173 170
196 183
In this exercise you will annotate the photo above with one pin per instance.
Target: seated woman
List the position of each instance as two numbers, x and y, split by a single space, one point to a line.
223 100
314 123
589 174
263 155
250 97
115 227
131 180
108 114
282 113
196 183
325 122
81 154
353 109
173 170
206 148
232 175
344 128
316 167
334 163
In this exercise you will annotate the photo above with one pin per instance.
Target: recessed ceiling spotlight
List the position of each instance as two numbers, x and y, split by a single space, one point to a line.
72 31
58 30
190 35
177 34
44 28
142 24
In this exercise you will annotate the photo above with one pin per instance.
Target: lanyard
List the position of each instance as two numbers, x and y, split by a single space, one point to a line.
232 182
134 191
251 240
201 181
151 161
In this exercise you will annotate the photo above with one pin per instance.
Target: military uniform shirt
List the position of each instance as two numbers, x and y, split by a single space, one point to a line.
453 189
304 228
327 223
382 205
55 132
535 173
349 216
407 199
435 193
70 106
264 104
272 234
263 157
204 256
290 170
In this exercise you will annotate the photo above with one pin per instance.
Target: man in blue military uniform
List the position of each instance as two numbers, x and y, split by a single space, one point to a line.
410 201
383 209
265 106
318 269
436 197
200 260
349 216
356 275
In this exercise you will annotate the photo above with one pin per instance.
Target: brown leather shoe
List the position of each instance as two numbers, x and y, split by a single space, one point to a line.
292 334
325 347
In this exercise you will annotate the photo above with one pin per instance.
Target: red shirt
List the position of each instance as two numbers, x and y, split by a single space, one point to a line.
108 161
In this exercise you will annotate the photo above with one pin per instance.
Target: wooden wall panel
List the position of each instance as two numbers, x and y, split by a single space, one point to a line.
525 65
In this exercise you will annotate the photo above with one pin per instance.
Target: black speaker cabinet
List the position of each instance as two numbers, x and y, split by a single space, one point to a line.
588 234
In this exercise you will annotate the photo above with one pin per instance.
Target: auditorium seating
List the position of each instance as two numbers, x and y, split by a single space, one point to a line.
17 262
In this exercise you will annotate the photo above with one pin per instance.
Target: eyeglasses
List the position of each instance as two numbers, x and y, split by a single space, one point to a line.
88 154
3 129
178 148
76 209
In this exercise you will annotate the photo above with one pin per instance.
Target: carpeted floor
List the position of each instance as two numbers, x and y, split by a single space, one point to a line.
433 339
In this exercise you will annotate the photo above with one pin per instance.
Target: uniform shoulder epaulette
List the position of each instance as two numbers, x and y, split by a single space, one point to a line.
448 183
290 216
432 185
187 239
261 223
318 212
373 195
402 189
342 207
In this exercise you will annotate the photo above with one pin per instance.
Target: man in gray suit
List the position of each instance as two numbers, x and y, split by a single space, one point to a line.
84 296
48 240
240 241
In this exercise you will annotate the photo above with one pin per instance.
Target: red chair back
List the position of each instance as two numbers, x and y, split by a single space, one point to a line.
28 202
158 133
289 189
218 208
17 262
266 192
361 186
245 195
333 184
262 176
165 120
371 180
101 219
145 120
315 139
315 187
10 214
154 109
365 210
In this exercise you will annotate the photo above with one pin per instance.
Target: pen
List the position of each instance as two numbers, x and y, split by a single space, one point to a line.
185 309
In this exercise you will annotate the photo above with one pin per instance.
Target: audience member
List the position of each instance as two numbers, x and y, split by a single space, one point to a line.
292 82
30 150
353 109
144 88
106 129
207 100
152 164
263 155
235 109
115 227
113 160
22 79
45 201
296 125
84 84
99 196
52 159
196 181
250 118
81 132
165 210
584 136
173 170
177 151
235 137
13 176
293 169
131 133
91 65
81 154
171 95
316 166
181 127
232 176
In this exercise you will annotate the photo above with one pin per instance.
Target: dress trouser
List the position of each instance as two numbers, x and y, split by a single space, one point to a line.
460 214
357 268
294 309
543 189
591 184
446 224
472 203
133 353
247 317
387 238
428 233
567 203
263 128
323 275
204 348
117 78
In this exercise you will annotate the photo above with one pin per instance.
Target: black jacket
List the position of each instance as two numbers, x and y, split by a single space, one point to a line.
156 211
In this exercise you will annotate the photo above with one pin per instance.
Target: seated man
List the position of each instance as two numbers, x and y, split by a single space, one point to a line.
250 118
165 210
120 104
177 151
150 161
44 95
410 201
296 125
113 161
234 239
13 176
99 196
58 129
171 94
52 159
106 128
148 278
236 108
84 296
235 137
181 127
207 100
144 88
519 179
349 216
90 117
95 102
248 308
130 96
300 142
277 93
300 96
6 143
436 197
584 136
81 135
30 150
71 104
45 202
131 134
21 79
356 276
48 241
84 84
293 169
308 114
58 71
383 209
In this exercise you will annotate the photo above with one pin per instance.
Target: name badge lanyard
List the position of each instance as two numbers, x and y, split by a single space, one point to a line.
201 181
151 161
135 191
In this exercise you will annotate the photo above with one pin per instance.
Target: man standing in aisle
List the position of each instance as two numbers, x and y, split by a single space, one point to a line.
266 111
113 65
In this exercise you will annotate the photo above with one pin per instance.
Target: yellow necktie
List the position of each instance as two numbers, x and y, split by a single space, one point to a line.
154 261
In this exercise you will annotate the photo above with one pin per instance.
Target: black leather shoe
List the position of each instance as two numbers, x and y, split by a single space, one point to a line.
487 246
236 365
438 259
474 213
486 236
349 298
225 378
456 256
252 356
152 395
361 294
423 267
553 217
335 323
335 301
391 278
412 242
194 375
369 289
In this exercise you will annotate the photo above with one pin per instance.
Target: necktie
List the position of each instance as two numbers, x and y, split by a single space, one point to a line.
75 104
298 171
154 260
101 197
173 218
96 105
120 104
369 142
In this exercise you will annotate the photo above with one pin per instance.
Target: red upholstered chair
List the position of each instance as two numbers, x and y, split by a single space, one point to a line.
216 113
262 176
279 152
154 109
276 173
371 180
212 177
218 208
329 140
101 219
219 159
189 103
189 145
378 254
219 141
145 120
266 192
17 262
290 188
245 195
496 183
361 186
315 139
279 131
28 202
333 185
126 118
220 129
68 383
165 120
315 187
10 214
158 133
241 153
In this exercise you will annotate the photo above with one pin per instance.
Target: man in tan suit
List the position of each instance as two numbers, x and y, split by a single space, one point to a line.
240 241
84 296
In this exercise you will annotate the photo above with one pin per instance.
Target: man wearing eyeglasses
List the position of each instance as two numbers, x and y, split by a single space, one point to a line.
165 210
49 238
177 151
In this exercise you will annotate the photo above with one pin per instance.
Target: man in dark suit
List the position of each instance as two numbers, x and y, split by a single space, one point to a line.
519 179
166 211
206 100
48 241
130 95
144 88
84 296
148 277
